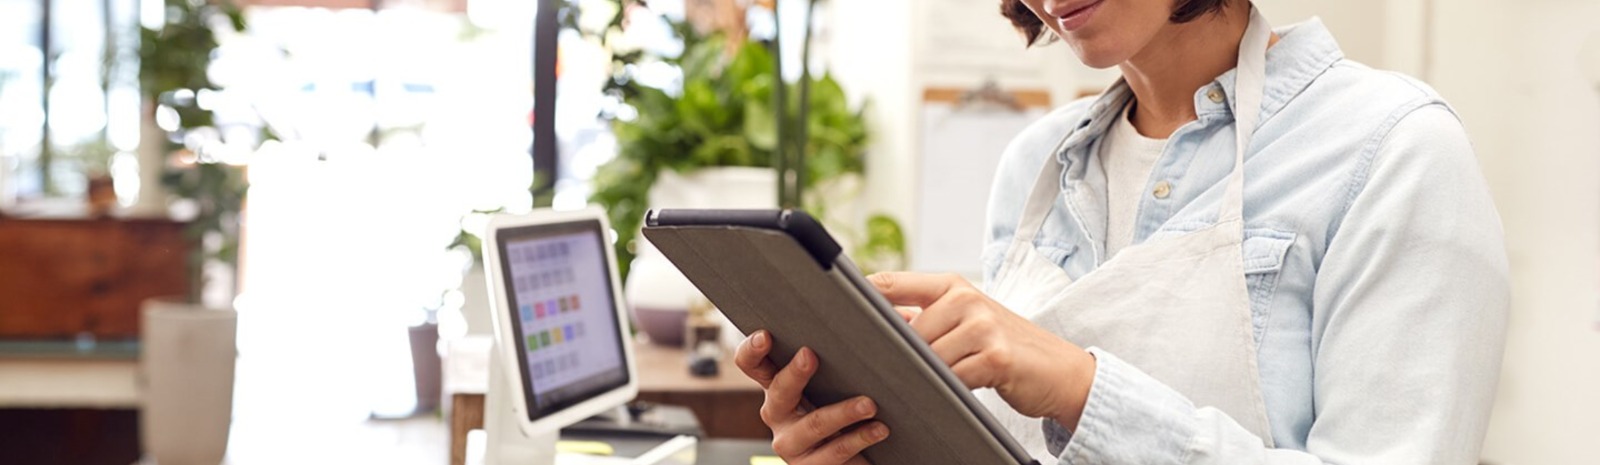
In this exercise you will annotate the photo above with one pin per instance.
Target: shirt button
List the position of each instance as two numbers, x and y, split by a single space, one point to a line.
1162 190
1215 95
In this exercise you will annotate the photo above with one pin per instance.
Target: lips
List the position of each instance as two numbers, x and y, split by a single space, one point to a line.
1075 15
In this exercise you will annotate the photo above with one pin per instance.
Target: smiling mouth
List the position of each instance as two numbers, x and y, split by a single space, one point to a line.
1078 17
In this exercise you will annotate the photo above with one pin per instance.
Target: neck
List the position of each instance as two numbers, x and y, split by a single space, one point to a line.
1181 58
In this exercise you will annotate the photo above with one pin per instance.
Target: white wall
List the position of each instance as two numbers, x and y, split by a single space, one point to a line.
1360 25
1512 70
870 47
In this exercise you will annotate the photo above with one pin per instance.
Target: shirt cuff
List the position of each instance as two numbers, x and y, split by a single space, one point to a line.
1130 417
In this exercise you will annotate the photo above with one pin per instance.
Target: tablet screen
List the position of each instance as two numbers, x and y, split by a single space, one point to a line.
559 285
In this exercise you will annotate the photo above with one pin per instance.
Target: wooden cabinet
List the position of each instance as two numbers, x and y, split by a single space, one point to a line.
61 277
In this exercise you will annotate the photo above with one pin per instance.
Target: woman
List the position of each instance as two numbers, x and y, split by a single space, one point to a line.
1248 250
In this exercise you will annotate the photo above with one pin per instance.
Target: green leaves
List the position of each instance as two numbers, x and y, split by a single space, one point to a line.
701 110
837 136
173 61
760 125
722 116
885 248
177 55
752 61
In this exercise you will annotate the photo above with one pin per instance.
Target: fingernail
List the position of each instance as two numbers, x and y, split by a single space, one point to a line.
877 432
864 407
802 359
759 340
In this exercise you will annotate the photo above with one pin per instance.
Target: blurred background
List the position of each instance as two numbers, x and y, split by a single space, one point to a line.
311 177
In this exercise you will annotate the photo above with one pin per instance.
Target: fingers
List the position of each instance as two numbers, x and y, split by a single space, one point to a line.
907 313
810 435
783 394
914 289
751 358
960 306
981 370
822 436
959 343
847 446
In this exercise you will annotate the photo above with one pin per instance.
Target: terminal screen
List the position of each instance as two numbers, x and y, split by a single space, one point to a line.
559 284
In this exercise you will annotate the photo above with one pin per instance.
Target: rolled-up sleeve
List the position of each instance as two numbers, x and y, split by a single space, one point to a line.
1408 327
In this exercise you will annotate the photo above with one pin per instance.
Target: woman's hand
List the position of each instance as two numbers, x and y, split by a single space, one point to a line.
987 345
800 435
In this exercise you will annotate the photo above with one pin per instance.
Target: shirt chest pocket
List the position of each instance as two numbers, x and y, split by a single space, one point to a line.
994 254
1264 252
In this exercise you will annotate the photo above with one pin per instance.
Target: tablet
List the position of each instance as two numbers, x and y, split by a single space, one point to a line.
560 323
779 270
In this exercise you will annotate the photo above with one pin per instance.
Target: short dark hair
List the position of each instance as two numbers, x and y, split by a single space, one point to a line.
1032 28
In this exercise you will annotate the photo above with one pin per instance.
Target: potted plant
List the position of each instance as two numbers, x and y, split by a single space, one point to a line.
714 143
189 346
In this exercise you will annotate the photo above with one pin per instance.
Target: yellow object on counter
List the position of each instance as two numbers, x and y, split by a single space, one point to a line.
584 447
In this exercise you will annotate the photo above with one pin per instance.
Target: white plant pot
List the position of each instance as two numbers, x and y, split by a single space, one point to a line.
8 188
658 294
152 198
187 366
475 302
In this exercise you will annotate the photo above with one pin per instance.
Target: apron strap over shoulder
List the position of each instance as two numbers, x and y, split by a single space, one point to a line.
1040 200
1249 81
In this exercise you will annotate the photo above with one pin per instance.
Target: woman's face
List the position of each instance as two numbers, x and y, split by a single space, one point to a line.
1104 33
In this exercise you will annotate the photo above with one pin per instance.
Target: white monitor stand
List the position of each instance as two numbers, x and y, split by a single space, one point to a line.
507 443
562 350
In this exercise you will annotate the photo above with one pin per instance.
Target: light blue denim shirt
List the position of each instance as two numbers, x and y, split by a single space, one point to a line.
1373 254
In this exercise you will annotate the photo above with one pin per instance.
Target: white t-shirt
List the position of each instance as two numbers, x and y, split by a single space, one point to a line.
1128 158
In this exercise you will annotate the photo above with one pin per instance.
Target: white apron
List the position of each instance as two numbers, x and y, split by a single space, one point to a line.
1176 308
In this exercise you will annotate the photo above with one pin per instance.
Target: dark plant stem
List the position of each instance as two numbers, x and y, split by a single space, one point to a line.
781 93
197 270
546 160
46 181
802 137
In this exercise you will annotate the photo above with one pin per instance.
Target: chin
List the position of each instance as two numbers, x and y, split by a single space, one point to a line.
1097 57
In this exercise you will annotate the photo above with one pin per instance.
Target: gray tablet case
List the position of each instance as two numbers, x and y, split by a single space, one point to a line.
779 270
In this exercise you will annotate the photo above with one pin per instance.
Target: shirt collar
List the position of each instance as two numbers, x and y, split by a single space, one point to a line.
1303 52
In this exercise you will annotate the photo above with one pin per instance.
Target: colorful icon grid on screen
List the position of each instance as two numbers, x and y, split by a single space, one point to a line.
556 336
550 308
